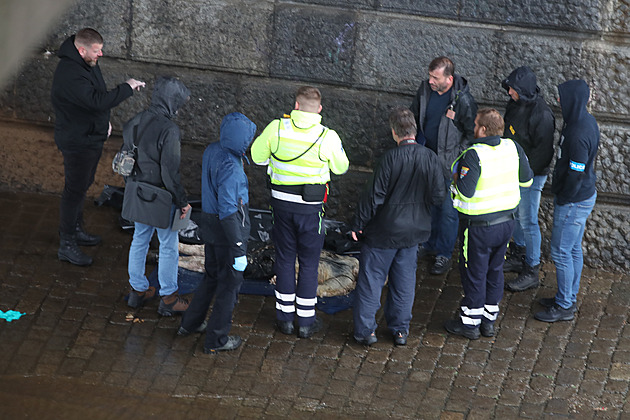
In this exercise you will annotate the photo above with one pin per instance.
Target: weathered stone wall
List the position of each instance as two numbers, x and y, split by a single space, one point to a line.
366 56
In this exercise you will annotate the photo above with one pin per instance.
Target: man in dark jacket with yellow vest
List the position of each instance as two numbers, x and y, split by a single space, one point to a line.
394 216
301 153
82 104
486 179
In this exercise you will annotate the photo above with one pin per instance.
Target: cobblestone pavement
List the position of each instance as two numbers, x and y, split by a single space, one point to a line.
74 355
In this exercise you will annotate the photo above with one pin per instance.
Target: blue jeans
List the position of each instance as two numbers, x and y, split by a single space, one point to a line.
444 222
527 231
569 221
168 258
375 267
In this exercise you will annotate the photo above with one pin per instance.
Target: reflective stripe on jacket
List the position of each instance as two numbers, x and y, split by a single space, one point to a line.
498 184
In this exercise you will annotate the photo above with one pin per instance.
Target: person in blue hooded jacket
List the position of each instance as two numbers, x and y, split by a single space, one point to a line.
574 193
224 228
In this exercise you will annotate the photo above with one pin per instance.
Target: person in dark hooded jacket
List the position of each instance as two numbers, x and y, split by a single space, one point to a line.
225 230
530 123
445 112
82 105
157 138
574 193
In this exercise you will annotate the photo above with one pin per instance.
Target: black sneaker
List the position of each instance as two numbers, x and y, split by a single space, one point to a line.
308 330
549 302
527 279
232 343
184 332
487 329
285 327
442 265
366 341
400 338
555 313
455 326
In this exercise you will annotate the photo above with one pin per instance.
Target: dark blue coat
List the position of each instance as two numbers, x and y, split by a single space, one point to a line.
574 173
224 186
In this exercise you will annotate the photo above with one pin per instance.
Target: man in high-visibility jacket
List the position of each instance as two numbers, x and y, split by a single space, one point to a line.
300 153
486 180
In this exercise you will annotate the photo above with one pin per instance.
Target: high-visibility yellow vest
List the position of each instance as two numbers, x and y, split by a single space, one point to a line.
498 185
299 150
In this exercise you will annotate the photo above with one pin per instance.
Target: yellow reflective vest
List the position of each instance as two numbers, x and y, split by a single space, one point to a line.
299 150
498 185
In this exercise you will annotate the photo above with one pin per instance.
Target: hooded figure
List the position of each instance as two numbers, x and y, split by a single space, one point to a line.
530 123
574 198
224 227
529 120
574 173
158 141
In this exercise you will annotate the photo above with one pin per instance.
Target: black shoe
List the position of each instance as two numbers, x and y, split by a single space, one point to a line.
232 343
455 326
70 251
487 329
400 338
441 265
308 330
184 332
555 313
527 279
85 239
549 302
137 299
514 259
285 327
366 341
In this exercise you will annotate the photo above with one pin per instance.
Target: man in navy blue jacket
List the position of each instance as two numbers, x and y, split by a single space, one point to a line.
225 230
574 198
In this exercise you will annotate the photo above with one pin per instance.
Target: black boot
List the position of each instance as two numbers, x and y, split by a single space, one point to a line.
514 259
85 239
528 279
70 251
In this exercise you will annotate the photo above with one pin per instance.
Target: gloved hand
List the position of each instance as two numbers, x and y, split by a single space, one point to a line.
240 263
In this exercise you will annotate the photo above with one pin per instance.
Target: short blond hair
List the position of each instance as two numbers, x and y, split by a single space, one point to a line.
491 120
309 98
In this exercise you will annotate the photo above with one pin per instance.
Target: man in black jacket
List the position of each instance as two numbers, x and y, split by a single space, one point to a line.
82 105
530 123
445 112
394 216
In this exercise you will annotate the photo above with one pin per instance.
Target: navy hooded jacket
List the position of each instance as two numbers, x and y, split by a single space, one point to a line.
81 101
529 121
574 173
159 140
224 186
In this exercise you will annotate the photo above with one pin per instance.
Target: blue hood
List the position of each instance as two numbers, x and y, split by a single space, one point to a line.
574 95
169 95
237 133
523 81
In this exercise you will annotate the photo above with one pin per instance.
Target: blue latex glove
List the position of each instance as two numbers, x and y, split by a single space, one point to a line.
240 263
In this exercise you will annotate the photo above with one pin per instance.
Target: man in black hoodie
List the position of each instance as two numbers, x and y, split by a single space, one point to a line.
445 112
82 105
574 193
529 122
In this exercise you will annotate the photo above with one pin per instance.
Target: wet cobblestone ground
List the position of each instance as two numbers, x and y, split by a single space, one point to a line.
74 354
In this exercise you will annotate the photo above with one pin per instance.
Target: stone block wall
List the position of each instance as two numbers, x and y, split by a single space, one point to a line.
365 55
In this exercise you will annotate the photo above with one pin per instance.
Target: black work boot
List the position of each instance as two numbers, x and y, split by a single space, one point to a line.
528 279
85 239
514 259
69 251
